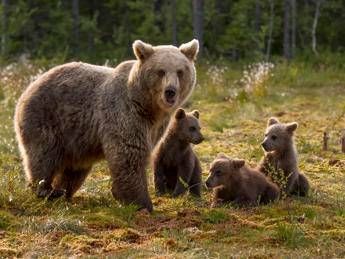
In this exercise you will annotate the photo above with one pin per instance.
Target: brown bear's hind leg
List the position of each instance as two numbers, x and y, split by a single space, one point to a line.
41 169
301 187
71 180
271 194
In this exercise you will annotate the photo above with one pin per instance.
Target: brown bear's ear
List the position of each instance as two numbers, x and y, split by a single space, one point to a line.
180 114
142 50
291 127
190 49
195 114
238 163
221 156
272 121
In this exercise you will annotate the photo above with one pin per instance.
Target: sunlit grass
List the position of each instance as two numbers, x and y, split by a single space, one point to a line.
94 223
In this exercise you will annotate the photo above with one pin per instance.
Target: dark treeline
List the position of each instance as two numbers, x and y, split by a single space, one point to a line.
96 30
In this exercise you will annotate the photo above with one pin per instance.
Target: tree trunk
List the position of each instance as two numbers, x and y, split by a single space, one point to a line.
91 33
4 25
157 8
293 28
198 17
173 22
270 30
287 41
75 17
313 31
257 15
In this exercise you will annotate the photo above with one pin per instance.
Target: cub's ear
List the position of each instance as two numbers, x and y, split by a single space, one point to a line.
142 50
180 114
291 127
190 49
272 121
195 113
221 156
238 163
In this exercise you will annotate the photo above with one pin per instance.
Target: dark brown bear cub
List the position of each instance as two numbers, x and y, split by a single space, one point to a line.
233 181
175 164
280 160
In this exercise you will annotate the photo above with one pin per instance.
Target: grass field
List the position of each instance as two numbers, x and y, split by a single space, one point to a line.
233 114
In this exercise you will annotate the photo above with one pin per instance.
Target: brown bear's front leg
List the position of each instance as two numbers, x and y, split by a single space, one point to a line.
184 174
159 179
217 199
129 183
292 182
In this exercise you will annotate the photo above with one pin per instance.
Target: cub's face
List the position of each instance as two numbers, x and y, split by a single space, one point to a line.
222 170
278 136
188 127
167 72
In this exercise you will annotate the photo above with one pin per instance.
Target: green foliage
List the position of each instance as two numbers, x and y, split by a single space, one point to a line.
215 216
290 235
96 225
232 29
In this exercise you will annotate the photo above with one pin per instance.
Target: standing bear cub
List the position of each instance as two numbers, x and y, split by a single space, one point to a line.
233 181
280 160
77 113
175 164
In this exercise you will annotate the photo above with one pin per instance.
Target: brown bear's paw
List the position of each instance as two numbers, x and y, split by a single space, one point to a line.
43 189
146 205
56 194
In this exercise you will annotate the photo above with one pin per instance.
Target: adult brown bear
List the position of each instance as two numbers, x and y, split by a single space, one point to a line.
77 113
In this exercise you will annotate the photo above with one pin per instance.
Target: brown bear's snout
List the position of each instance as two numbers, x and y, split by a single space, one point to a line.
170 94
264 145
199 139
208 183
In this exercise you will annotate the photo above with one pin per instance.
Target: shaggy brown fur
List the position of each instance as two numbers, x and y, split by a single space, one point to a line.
174 162
280 160
77 113
234 181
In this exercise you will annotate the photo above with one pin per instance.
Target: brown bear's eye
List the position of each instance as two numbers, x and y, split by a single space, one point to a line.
218 173
274 137
179 73
160 72
192 128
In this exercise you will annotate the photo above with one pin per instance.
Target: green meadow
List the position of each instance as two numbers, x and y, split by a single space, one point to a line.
235 102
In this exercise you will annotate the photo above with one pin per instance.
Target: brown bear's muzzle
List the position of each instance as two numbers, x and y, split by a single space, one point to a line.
198 140
170 95
208 183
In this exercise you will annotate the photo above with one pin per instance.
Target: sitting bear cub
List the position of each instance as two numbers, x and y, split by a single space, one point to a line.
233 181
175 164
280 160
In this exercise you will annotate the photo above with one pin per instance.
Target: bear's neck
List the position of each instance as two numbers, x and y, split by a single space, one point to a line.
289 155
144 106
174 143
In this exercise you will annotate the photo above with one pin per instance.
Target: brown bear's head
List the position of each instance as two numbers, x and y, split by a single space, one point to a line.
223 170
166 74
186 126
278 136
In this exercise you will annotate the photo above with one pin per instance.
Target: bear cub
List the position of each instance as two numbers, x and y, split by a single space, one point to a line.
175 164
233 181
280 159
